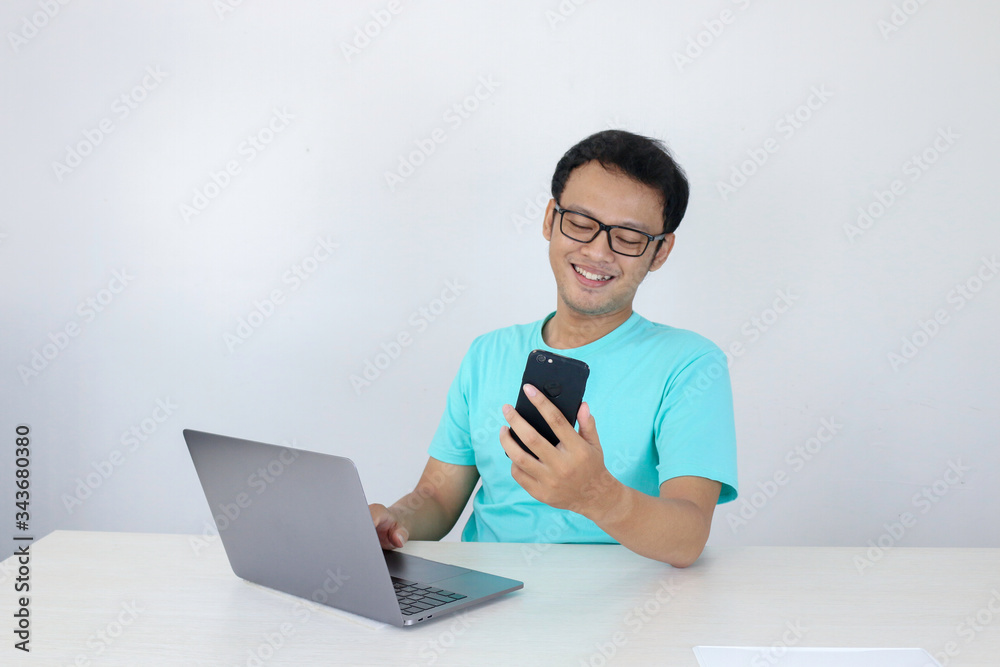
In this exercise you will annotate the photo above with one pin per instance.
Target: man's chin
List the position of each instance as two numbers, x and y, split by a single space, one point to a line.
595 308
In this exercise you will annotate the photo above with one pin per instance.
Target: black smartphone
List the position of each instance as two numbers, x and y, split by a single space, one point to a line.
562 380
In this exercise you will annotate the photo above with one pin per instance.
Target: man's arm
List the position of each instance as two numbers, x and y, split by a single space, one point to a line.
430 511
672 528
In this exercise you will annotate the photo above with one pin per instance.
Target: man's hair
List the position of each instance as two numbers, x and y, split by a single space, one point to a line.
641 158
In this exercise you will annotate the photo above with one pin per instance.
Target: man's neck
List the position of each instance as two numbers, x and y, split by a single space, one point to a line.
569 329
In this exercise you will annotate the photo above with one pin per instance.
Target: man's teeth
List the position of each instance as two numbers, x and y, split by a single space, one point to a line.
589 275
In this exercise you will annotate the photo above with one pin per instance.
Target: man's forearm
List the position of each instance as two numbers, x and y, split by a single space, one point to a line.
422 516
431 510
666 529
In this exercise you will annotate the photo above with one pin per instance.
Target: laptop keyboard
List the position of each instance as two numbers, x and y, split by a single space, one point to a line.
416 598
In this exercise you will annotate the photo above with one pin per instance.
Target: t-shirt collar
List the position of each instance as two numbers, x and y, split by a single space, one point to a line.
610 338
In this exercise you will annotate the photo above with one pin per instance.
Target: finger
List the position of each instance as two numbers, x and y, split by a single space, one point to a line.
520 475
387 527
588 425
550 413
528 435
383 538
384 530
392 536
379 513
527 482
518 457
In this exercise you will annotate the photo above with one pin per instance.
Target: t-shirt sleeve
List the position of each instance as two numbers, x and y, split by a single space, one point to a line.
695 431
452 442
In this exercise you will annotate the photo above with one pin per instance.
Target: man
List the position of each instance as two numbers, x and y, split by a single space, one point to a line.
659 396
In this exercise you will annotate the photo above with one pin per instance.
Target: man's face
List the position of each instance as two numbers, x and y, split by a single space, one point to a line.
614 199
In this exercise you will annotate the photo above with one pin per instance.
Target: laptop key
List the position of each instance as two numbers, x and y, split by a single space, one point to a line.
438 599
414 598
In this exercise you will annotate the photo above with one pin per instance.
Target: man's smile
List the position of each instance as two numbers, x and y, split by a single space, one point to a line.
591 277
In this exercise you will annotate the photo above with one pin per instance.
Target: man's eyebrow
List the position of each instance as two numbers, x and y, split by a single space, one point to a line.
639 227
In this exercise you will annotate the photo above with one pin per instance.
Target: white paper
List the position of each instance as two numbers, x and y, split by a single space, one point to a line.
758 656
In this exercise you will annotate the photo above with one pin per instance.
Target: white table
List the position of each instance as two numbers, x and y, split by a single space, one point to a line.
125 598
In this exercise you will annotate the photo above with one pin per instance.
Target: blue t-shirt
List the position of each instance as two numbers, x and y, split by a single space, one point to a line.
663 407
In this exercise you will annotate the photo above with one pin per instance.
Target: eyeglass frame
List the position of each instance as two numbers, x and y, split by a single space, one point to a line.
601 227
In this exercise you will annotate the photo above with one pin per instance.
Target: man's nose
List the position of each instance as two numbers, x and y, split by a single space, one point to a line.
600 247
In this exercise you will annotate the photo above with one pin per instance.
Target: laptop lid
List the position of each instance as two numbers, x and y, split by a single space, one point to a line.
298 522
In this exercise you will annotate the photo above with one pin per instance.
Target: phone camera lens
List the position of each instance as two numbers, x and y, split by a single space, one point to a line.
540 358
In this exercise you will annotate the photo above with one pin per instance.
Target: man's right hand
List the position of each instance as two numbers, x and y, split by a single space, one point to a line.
391 532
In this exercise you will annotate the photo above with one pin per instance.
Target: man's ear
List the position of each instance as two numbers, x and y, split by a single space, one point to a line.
550 217
663 252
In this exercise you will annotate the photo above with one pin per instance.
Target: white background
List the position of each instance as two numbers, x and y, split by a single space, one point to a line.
718 93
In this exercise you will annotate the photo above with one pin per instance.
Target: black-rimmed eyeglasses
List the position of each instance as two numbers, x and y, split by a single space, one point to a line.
622 240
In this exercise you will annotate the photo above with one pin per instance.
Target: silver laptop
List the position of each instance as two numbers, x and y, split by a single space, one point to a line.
298 522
